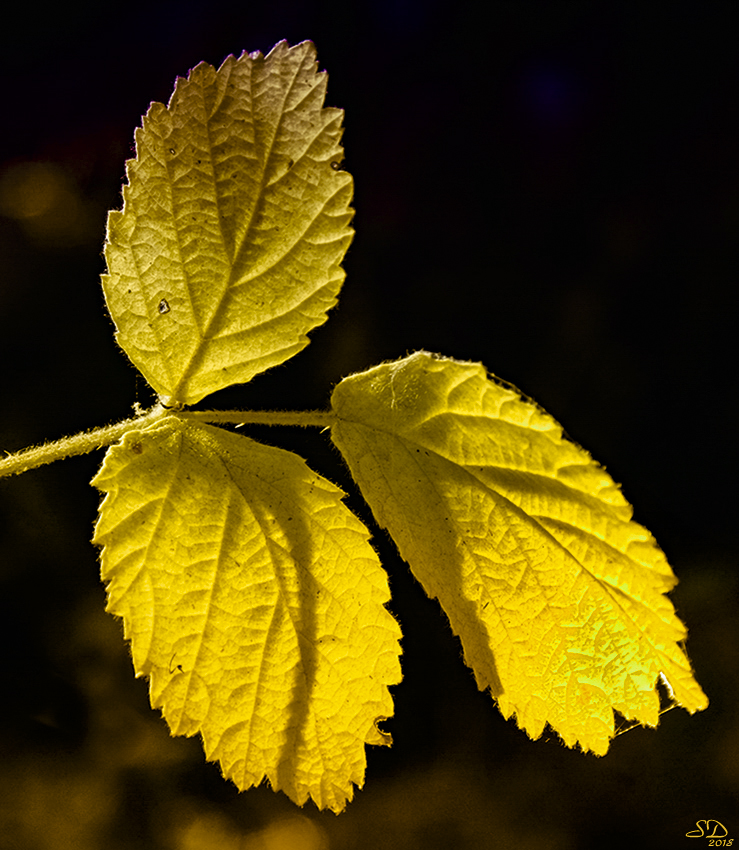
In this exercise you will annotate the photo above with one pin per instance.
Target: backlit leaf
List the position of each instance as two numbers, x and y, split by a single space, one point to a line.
254 604
557 595
234 223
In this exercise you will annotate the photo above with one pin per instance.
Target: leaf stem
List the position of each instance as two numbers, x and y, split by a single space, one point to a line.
79 444
301 418
88 441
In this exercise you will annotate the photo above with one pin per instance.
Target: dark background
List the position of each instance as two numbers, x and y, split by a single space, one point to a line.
552 189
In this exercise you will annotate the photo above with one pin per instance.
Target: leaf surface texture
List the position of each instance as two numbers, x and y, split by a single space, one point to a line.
235 221
557 595
253 602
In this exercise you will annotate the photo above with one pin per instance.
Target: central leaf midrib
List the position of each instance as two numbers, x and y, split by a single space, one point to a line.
608 590
409 442
191 365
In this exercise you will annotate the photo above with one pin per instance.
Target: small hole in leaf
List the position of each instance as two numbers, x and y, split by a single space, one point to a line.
164 306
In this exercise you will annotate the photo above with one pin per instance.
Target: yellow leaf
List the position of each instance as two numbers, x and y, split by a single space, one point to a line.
557 595
235 221
254 603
